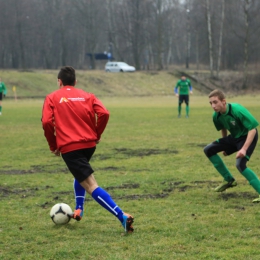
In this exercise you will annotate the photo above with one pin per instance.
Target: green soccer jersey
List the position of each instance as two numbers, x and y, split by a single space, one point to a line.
184 87
3 88
237 120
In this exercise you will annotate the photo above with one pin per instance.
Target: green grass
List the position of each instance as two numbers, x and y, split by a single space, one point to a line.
40 83
154 167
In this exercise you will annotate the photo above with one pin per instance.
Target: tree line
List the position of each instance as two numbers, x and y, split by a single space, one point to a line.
149 34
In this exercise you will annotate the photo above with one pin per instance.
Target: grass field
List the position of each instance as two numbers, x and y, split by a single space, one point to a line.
39 83
153 165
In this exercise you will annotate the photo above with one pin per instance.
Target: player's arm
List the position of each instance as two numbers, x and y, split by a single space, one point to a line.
48 125
5 89
102 118
190 87
176 90
250 137
224 133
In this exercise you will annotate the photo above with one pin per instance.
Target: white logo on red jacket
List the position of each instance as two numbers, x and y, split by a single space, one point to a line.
63 99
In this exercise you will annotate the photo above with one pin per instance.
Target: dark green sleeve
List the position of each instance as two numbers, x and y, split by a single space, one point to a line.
5 89
247 119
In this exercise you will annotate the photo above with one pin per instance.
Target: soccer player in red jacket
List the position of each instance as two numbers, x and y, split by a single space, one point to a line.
73 122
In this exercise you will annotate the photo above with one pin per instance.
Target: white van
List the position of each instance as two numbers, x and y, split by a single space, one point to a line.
115 66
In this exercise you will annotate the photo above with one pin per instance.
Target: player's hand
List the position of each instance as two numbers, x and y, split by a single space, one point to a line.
176 95
56 152
4 95
241 153
98 141
224 153
191 92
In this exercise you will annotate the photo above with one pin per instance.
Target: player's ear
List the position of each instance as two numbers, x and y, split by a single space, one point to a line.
60 84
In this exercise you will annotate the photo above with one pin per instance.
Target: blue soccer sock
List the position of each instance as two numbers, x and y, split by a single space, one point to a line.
80 194
105 200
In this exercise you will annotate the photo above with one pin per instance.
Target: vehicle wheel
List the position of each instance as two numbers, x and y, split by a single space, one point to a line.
107 70
121 71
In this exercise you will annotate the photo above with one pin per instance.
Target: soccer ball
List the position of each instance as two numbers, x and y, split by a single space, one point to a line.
60 213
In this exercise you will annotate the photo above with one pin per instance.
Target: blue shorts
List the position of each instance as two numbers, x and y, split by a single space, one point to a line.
78 163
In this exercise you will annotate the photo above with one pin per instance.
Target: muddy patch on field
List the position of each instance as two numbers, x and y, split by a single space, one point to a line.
236 195
208 184
143 196
110 168
124 186
144 152
6 191
197 145
124 153
171 185
52 168
118 153
124 191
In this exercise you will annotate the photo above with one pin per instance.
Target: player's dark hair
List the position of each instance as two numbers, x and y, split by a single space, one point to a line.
217 93
67 75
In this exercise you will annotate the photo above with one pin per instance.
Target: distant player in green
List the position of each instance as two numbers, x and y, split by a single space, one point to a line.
242 139
182 90
3 92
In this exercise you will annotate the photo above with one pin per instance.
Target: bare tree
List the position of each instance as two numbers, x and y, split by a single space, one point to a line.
132 17
246 7
209 37
158 14
244 26
188 44
220 36
91 19
151 34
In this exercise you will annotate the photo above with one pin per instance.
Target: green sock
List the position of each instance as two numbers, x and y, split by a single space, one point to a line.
0 108
187 110
221 167
179 109
252 179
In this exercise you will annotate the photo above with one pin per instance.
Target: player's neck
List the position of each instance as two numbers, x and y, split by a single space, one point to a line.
224 109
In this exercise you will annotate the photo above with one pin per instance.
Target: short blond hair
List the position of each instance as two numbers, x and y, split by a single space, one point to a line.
217 93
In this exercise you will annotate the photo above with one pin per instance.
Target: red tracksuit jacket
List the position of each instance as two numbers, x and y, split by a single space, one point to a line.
73 119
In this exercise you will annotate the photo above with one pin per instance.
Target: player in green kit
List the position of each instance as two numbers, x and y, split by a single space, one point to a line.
242 139
182 90
3 91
